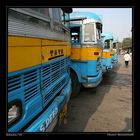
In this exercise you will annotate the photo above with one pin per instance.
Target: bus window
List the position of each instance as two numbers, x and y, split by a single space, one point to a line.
56 14
44 11
98 33
75 34
114 45
111 43
107 44
98 30
89 33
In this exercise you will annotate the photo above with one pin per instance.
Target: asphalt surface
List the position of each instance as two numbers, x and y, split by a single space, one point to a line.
107 108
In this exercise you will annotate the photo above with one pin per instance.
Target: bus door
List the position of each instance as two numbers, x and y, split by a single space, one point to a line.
76 41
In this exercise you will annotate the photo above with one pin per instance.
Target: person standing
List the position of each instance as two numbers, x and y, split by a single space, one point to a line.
127 58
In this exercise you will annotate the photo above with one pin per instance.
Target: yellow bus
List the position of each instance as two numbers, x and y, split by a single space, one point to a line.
86 70
39 84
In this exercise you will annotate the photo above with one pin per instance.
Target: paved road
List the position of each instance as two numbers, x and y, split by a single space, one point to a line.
108 108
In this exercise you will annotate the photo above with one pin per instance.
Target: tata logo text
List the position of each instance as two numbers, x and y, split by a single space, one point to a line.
48 121
56 52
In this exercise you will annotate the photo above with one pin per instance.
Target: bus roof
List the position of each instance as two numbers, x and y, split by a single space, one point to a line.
89 15
107 35
115 40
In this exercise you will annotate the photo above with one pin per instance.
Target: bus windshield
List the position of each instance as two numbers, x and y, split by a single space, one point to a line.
107 44
98 30
89 33
114 45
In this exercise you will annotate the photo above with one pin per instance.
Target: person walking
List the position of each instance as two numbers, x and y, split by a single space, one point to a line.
127 58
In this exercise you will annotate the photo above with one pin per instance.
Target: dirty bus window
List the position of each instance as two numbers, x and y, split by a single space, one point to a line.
75 34
107 44
44 11
56 14
98 30
89 33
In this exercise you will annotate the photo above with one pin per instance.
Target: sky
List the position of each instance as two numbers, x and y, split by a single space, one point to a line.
115 20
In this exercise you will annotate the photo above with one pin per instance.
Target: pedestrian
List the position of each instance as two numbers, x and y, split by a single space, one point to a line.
127 58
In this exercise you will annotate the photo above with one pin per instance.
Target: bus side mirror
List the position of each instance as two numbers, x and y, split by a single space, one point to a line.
67 10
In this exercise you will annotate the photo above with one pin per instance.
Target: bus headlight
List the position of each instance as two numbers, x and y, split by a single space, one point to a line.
14 112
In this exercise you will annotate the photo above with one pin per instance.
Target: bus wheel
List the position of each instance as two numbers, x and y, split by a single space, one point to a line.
75 85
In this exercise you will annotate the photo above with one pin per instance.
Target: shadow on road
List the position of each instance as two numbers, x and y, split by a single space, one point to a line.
82 107
128 127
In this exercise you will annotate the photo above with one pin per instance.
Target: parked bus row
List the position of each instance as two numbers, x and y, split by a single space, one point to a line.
52 52
92 52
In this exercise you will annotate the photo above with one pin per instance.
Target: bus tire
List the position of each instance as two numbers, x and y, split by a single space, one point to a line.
76 86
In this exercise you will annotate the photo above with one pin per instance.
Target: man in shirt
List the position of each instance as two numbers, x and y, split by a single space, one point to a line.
127 58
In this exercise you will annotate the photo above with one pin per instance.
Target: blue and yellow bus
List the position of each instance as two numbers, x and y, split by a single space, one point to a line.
115 51
107 39
39 84
85 28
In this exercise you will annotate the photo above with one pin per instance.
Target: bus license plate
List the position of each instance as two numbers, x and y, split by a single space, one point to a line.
63 113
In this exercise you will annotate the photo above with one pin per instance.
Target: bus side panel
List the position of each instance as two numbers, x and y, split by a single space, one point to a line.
75 66
85 53
22 53
85 62
24 85
75 53
106 60
90 53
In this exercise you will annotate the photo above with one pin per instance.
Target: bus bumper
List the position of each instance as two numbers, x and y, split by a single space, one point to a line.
115 61
50 117
92 81
104 68
109 67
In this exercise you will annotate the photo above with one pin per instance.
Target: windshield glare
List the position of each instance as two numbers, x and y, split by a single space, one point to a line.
89 34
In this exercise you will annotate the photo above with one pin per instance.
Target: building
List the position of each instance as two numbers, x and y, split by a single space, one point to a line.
127 44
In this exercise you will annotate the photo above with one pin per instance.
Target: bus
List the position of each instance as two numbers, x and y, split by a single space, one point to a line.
39 83
107 39
85 66
115 51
